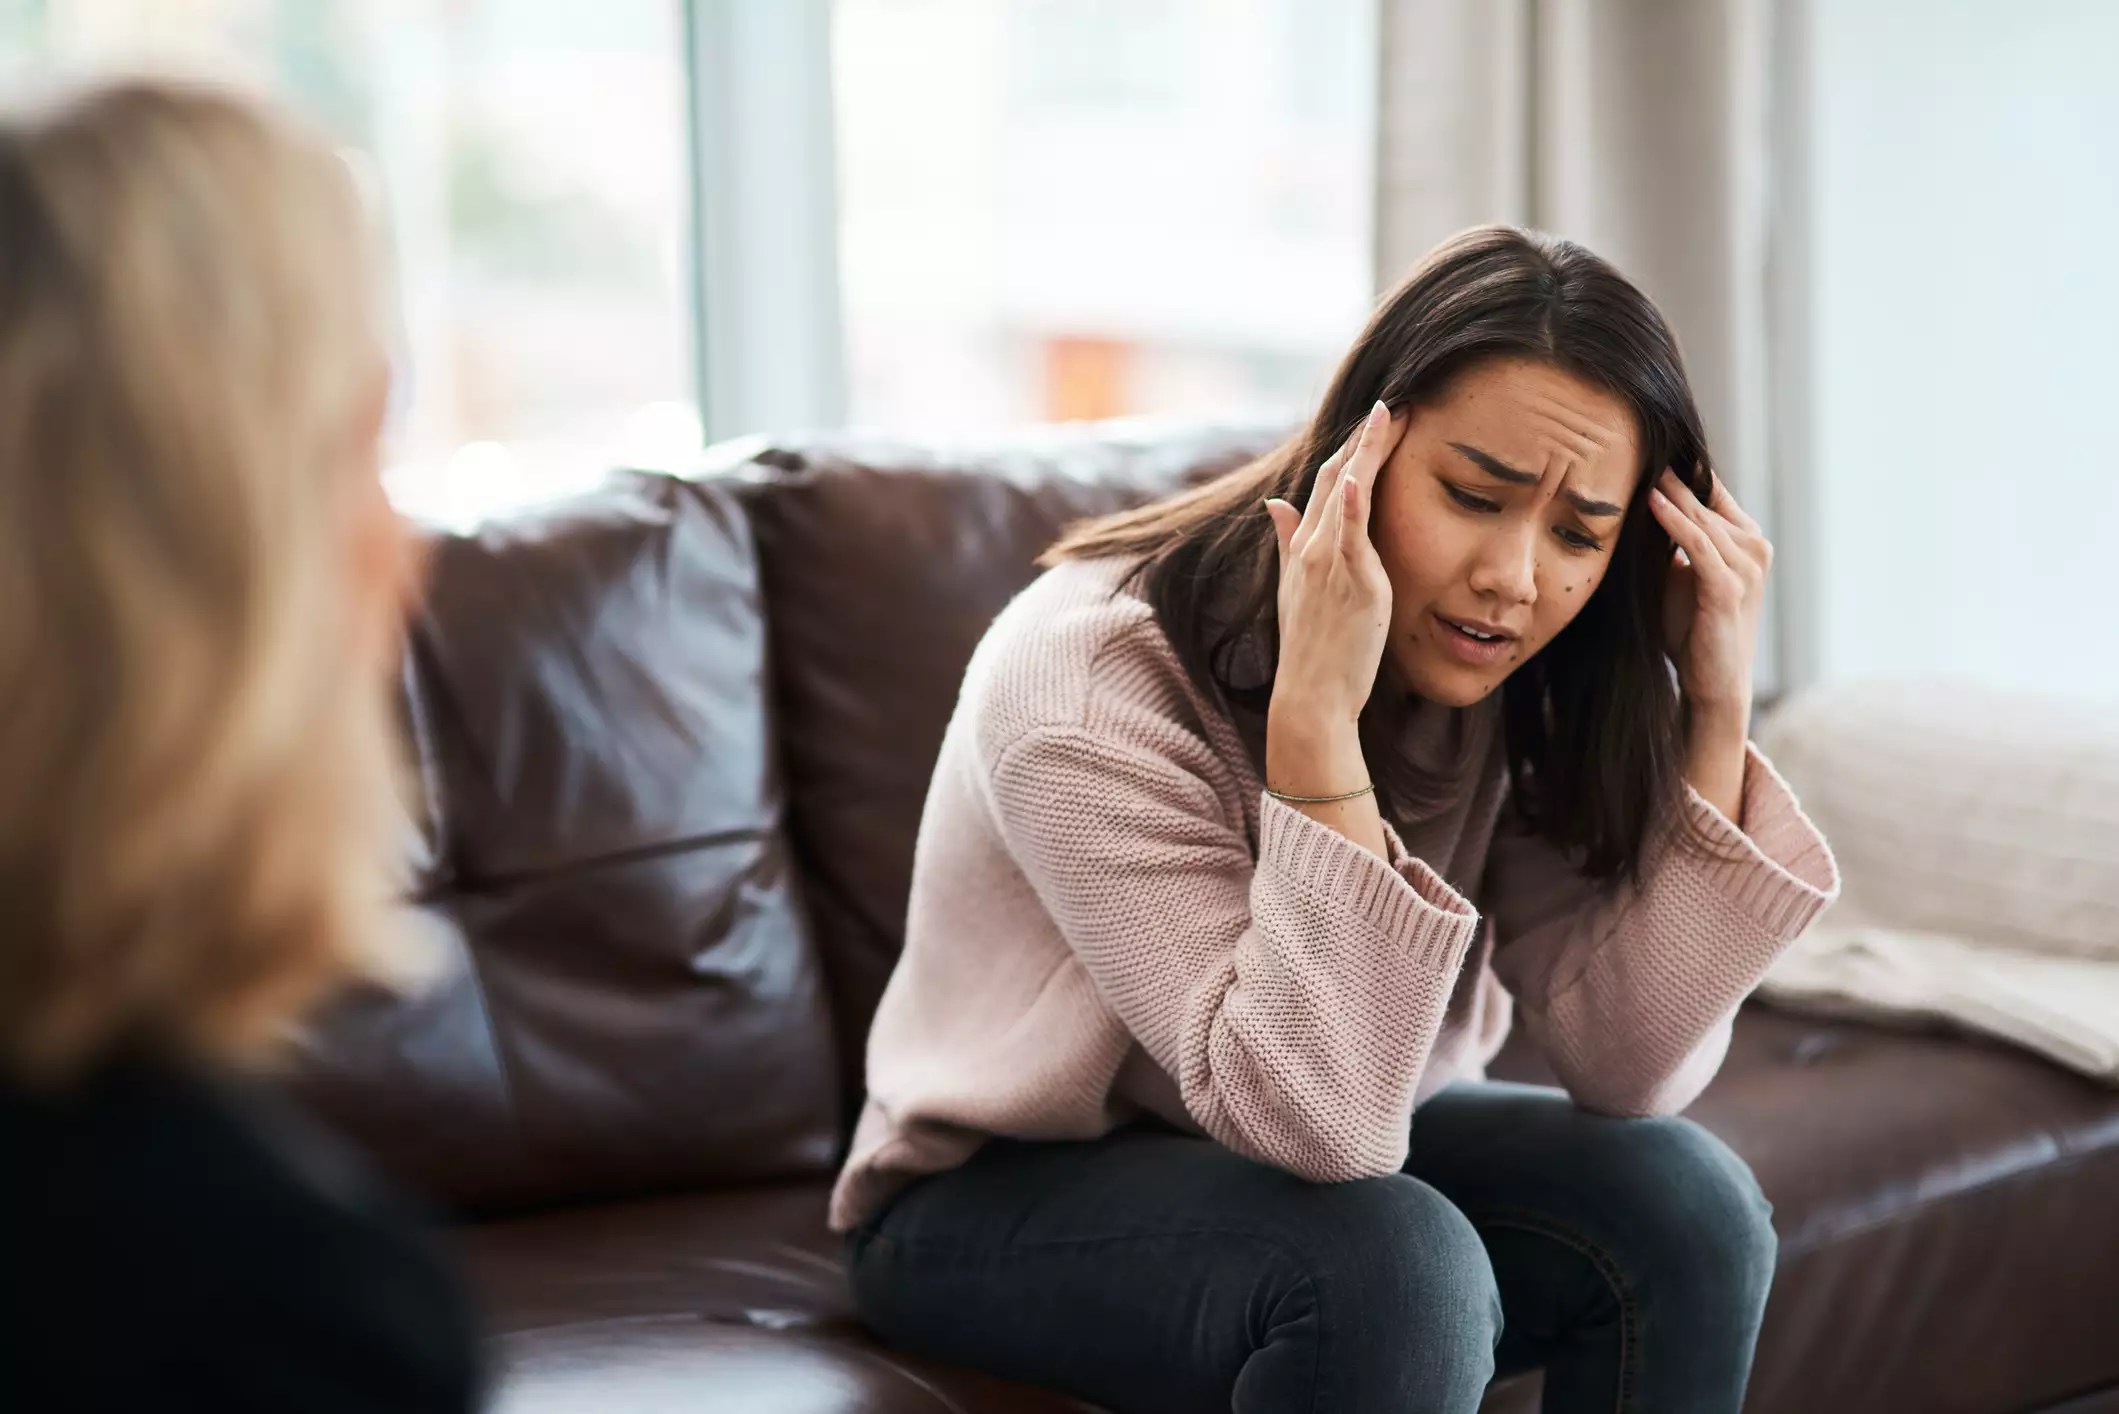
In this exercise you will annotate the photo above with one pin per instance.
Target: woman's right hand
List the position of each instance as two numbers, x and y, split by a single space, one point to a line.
1335 600
1335 615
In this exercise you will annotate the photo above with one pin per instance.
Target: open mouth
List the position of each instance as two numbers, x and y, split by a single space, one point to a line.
1476 635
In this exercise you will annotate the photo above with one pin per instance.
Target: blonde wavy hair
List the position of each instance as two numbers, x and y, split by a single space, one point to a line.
197 786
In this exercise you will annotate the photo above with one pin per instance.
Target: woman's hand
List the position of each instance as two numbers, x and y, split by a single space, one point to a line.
1710 624
1335 600
1711 609
1335 615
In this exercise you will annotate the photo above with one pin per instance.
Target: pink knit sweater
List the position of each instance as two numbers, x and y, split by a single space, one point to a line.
1110 917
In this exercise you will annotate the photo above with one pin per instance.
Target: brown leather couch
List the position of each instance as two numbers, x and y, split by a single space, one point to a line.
673 740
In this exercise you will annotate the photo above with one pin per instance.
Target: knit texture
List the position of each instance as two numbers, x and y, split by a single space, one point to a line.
1109 916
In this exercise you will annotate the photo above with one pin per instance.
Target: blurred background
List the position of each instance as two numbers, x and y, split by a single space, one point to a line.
626 229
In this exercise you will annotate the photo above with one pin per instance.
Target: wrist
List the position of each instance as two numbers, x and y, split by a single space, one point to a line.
1313 753
1715 755
1718 723
1297 709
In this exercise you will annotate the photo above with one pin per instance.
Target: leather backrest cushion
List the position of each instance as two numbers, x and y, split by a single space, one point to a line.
632 998
883 564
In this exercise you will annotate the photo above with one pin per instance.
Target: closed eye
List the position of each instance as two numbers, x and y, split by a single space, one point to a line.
1470 502
1573 539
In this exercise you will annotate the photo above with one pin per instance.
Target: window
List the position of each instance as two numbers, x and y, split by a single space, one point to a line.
1081 208
1046 209
1964 497
533 157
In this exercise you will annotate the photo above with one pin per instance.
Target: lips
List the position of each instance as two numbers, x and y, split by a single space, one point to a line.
1474 644
1477 630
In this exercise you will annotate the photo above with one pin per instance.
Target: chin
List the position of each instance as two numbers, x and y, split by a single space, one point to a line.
1448 685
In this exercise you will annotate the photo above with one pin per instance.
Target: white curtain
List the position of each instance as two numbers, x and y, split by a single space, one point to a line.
1659 133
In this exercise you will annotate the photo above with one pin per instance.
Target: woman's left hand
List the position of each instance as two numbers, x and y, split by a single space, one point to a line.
1711 608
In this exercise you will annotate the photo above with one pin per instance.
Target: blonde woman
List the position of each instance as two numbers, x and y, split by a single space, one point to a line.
200 586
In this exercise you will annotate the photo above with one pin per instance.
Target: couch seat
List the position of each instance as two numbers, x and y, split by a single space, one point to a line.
1949 1241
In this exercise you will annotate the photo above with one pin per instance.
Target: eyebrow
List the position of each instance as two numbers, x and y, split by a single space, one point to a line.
1502 471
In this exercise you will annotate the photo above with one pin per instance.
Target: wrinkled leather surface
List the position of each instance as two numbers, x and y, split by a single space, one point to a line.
1949 1230
606 699
1984 1240
728 1302
632 999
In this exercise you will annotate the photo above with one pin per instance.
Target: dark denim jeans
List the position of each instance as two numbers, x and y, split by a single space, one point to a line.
1154 1271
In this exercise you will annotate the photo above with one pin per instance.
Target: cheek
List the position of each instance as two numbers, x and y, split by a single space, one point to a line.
1417 549
1569 586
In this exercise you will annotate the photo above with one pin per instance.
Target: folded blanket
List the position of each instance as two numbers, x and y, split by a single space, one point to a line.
1977 834
2064 1009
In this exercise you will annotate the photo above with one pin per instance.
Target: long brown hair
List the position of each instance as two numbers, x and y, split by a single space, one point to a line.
1593 723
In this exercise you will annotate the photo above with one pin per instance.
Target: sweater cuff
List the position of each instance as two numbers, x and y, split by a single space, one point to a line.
1777 869
1403 900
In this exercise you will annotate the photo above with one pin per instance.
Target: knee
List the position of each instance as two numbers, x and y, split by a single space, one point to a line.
1703 1203
1397 1266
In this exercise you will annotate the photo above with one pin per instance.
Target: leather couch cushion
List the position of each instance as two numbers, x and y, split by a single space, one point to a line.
725 1304
883 565
1949 1243
633 1000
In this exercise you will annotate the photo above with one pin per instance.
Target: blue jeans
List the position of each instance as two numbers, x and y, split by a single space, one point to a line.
1154 1271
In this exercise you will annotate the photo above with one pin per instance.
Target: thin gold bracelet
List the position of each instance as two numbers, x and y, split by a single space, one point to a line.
1319 799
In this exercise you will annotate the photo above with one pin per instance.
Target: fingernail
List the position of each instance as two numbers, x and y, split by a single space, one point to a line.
1379 413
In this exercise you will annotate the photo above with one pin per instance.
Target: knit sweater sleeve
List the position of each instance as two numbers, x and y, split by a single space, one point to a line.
1293 997
1629 991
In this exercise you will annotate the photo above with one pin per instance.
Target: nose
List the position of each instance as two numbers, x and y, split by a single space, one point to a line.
1506 566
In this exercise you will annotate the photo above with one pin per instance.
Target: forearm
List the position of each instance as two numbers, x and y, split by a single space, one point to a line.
1291 983
1714 757
1310 752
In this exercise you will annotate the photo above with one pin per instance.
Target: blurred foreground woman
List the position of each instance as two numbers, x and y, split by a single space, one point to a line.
201 585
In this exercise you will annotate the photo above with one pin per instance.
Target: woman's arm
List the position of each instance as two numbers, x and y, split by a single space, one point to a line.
1309 752
1629 991
1294 998
1715 749
1716 592
1630 988
1334 609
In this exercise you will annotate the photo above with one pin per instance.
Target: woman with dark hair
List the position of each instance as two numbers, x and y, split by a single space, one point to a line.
1261 813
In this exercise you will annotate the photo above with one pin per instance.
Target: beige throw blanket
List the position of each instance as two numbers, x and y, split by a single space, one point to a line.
1978 839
